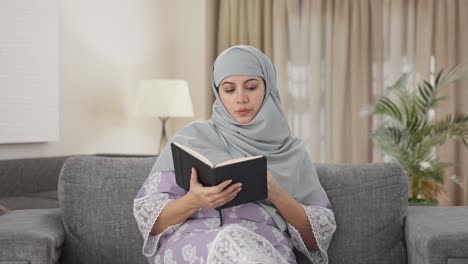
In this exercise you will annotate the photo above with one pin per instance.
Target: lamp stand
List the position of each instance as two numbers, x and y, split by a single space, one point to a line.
163 141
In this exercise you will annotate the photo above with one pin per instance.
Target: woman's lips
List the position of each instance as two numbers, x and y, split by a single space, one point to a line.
243 112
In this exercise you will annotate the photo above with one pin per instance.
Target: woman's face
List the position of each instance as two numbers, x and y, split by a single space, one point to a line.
242 95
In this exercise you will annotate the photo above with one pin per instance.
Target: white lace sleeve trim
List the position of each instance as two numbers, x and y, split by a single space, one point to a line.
147 208
322 222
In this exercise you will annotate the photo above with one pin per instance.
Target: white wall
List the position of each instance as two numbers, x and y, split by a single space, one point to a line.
194 50
29 61
106 46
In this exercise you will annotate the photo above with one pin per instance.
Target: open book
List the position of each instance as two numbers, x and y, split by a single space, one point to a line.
250 171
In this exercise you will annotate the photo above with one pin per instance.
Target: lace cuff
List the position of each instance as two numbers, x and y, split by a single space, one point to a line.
153 196
322 222
146 210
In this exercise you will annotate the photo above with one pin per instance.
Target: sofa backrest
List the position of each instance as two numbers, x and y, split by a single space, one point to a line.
369 202
96 195
29 175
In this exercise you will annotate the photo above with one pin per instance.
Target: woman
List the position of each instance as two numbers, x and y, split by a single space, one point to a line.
247 120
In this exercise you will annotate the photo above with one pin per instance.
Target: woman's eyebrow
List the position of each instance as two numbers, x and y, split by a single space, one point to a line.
251 79
227 82
246 81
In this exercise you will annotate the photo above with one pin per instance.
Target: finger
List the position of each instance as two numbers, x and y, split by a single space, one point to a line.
270 177
194 177
226 199
218 188
231 189
215 198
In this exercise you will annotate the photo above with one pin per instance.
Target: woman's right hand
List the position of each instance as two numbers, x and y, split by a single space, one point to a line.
211 197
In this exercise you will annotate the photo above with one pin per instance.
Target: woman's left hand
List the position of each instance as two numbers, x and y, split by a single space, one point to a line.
292 211
275 190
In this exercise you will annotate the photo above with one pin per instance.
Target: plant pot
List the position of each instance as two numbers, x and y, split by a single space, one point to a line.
422 202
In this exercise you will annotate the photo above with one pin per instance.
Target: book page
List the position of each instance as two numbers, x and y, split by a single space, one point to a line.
195 154
232 161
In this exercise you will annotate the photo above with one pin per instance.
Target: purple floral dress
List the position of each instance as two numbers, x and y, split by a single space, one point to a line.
248 233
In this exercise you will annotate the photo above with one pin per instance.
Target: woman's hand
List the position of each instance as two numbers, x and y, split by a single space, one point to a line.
275 191
211 197
291 210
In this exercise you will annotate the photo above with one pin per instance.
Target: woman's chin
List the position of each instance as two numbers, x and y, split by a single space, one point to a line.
244 119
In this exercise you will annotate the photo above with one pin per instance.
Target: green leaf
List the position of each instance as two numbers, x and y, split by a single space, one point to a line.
437 80
407 134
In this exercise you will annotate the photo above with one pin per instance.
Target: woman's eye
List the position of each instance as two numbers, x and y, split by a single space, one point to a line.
252 88
228 90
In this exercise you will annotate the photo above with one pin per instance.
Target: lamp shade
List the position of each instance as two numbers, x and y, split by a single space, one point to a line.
164 98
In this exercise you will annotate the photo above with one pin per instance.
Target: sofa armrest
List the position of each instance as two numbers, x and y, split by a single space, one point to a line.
437 234
31 236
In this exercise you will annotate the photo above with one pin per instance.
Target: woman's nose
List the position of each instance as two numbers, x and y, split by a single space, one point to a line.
241 97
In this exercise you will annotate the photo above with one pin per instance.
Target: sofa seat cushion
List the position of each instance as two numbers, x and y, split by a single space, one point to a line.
457 261
31 201
3 209
49 195
31 236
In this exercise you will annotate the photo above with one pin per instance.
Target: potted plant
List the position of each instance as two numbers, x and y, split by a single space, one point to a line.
409 132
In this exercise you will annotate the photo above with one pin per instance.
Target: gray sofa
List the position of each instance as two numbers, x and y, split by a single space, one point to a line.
95 222
30 183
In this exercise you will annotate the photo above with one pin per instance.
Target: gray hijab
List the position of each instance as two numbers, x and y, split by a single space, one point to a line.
267 134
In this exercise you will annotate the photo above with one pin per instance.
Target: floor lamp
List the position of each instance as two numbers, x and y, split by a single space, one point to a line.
164 99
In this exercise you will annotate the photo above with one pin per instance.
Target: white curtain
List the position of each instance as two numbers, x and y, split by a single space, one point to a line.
335 56
330 78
